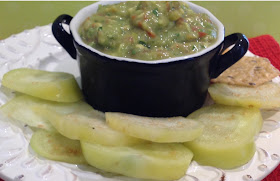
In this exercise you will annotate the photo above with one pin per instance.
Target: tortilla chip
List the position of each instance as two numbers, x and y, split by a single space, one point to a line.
248 71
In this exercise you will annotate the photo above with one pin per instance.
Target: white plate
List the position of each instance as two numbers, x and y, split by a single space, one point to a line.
37 48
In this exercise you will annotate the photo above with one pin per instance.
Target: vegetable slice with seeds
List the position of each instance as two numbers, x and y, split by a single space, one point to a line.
20 108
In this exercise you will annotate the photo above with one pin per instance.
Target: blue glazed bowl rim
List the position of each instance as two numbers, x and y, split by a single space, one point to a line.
87 11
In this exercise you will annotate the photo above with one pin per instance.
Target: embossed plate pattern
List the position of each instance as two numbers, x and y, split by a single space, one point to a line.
38 49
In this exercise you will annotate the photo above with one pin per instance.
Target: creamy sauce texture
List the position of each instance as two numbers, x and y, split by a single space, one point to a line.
148 30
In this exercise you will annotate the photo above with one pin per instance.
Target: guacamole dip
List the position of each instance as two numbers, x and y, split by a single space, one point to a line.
148 30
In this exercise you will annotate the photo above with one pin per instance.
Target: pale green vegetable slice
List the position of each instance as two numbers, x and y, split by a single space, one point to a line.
20 108
163 130
228 137
223 157
78 121
56 147
25 109
85 124
265 96
53 86
74 120
149 161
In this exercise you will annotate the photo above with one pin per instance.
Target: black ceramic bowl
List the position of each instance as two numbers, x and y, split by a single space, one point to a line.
160 88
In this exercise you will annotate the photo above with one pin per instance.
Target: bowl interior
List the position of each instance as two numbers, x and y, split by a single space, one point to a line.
91 9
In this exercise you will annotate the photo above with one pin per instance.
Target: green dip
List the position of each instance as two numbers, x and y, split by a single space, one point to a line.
148 30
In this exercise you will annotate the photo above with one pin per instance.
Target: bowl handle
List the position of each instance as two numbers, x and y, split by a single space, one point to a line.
62 36
225 59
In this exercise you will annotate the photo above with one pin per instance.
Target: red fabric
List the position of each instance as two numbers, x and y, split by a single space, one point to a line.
266 46
274 176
